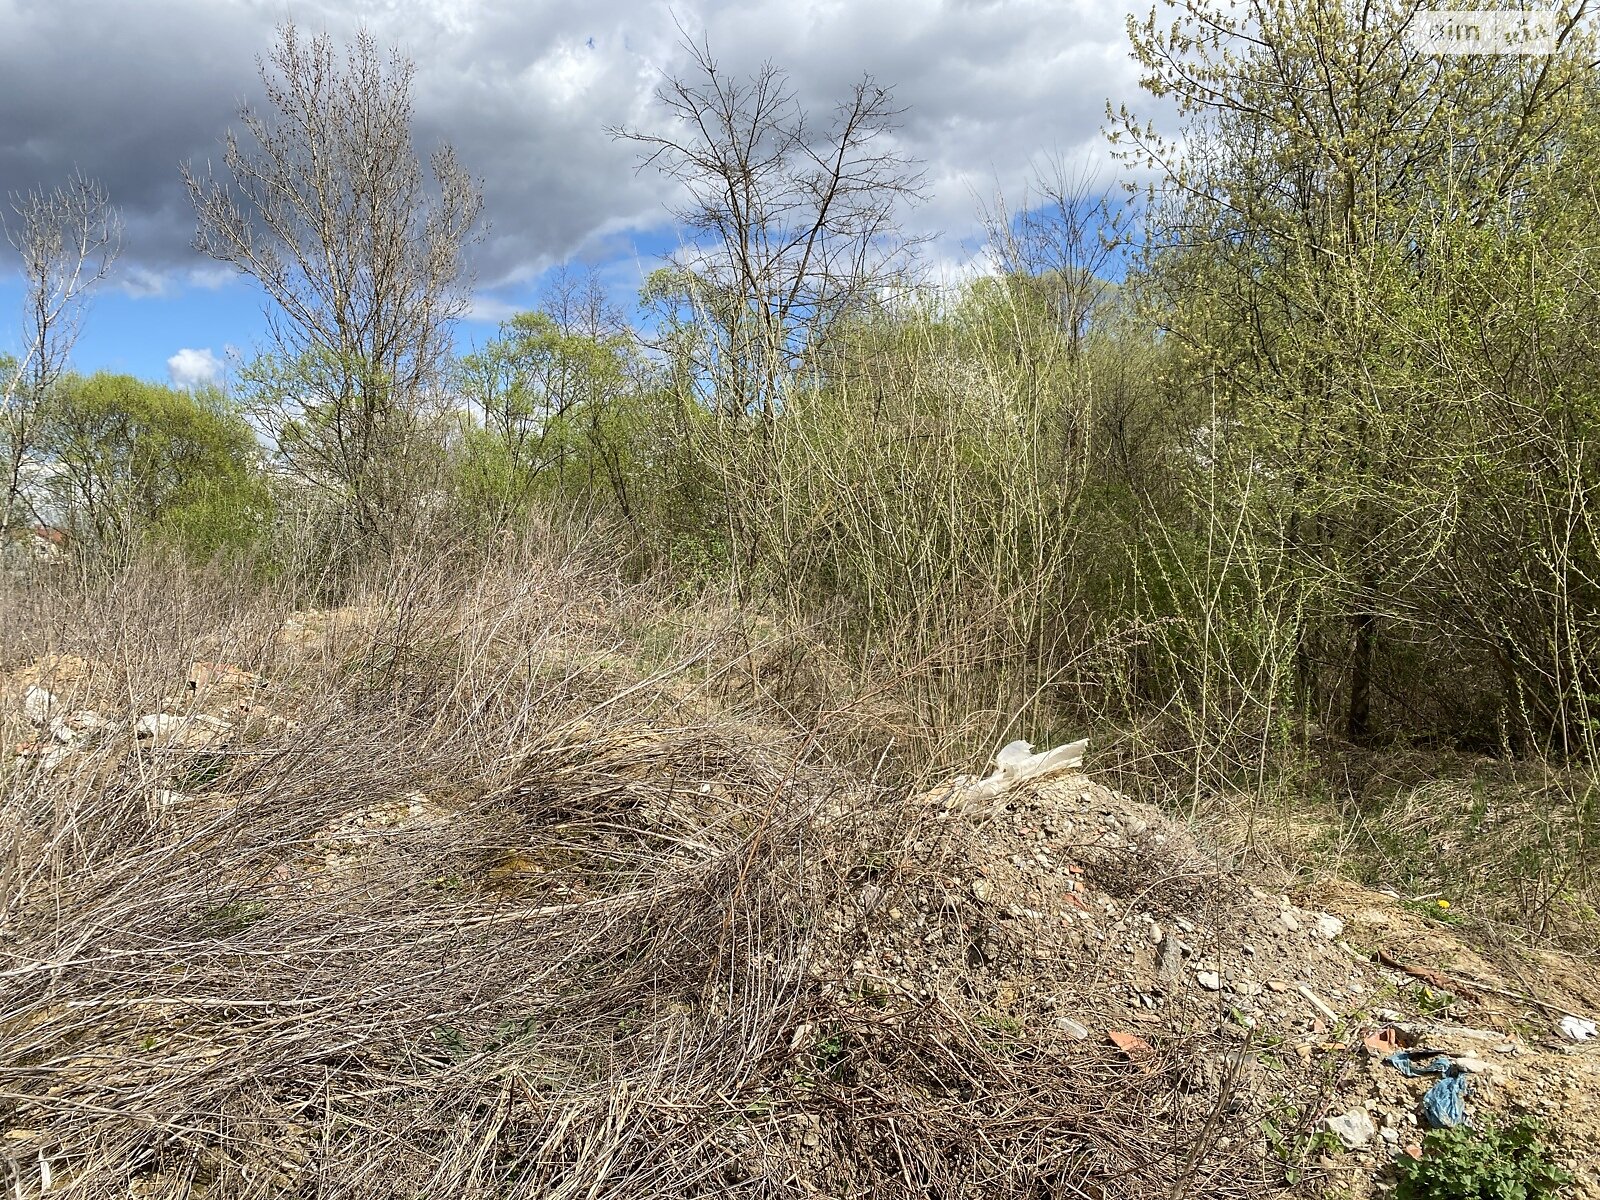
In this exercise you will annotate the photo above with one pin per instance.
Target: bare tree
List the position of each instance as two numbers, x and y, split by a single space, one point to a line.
791 222
328 207
1062 241
67 238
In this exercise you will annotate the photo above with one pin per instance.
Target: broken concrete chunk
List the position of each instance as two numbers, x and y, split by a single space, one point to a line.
1354 1129
1209 980
37 704
158 725
1329 926
194 730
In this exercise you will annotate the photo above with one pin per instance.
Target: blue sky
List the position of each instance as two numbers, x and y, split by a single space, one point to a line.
138 332
524 93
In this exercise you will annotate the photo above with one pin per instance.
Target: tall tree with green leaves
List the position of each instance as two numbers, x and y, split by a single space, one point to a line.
562 401
131 461
1332 189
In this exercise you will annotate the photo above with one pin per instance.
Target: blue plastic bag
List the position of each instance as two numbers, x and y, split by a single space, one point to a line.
1445 1103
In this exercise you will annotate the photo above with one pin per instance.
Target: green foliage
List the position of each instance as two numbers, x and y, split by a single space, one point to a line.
136 460
1494 1163
226 920
554 410
1358 265
335 424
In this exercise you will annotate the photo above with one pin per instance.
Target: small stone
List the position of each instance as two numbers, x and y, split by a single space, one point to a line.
982 889
1169 960
1209 980
1329 926
1288 921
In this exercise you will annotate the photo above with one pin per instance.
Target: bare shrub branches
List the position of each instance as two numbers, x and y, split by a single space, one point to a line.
580 962
1061 241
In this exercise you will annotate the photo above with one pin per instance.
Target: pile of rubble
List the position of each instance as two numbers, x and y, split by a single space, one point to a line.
1093 917
215 705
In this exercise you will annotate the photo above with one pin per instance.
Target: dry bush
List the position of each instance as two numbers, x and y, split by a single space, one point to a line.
510 888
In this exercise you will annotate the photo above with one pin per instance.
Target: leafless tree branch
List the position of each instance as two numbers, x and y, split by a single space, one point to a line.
68 239
792 222
326 205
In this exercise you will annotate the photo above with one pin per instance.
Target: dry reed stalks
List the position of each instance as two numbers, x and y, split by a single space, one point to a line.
511 904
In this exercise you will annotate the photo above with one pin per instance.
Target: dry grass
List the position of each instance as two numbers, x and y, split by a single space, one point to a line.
530 893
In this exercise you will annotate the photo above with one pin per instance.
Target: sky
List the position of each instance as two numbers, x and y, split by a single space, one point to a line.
524 92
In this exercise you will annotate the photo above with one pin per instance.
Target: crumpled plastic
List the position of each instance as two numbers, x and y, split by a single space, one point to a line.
1015 764
1445 1102
1576 1029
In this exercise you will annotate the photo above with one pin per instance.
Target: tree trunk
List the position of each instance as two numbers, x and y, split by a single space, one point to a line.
1358 723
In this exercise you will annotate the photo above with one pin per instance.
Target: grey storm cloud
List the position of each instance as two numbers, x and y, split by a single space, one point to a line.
524 92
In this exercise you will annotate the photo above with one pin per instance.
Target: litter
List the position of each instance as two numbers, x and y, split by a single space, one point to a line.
1445 1102
1408 1065
1576 1029
1017 762
1383 1042
1130 1044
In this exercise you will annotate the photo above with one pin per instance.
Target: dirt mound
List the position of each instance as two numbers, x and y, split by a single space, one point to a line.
513 937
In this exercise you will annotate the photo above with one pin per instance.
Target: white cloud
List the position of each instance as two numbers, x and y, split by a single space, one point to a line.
142 283
193 368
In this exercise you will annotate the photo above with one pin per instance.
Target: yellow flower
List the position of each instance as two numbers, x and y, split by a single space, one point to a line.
1444 904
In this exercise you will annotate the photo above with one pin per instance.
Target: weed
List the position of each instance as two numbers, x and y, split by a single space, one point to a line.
1441 911
1292 1145
225 920
200 773
1493 1163
1433 1002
